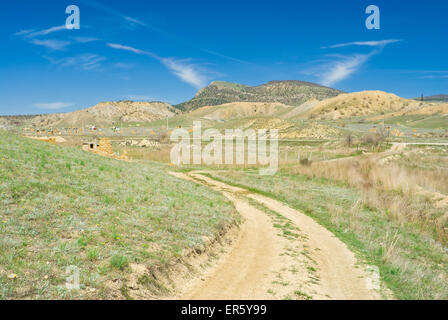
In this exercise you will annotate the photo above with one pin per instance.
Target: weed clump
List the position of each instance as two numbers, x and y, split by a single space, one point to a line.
119 262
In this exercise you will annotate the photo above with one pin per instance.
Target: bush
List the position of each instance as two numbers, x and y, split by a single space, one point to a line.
349 140
306 162
373 140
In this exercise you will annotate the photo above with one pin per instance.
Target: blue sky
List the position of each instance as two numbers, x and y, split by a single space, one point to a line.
167 50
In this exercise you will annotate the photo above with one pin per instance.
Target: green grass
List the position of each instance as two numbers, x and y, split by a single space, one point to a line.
61 206
303 295
119 262
412 265
436 121
431 122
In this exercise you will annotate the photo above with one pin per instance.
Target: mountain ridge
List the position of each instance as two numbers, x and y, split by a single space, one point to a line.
288 92
436 98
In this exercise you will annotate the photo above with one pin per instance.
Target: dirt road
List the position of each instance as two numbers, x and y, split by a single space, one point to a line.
262 263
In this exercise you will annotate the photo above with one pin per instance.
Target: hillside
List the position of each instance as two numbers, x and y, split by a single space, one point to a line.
361 104
7 122
4 123
239 110
292 93
65 207
107 113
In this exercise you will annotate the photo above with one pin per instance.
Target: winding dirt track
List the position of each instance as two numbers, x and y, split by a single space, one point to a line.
246 270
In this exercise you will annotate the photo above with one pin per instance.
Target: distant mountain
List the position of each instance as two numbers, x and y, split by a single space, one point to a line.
435 98
107 113
290 92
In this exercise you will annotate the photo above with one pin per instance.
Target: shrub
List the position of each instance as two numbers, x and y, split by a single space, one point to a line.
372 139
119 262
92 254
306 162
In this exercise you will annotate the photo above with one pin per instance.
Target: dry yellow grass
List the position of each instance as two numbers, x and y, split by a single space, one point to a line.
394 189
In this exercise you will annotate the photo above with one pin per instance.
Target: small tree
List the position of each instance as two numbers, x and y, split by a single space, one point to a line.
372 140
163 137
349 140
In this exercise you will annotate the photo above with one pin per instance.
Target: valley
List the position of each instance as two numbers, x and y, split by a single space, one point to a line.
361 185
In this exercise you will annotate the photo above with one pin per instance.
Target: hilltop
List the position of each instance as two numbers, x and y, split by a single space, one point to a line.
289 92
107 113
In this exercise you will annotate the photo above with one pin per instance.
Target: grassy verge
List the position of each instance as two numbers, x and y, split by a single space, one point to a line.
63 207
412 265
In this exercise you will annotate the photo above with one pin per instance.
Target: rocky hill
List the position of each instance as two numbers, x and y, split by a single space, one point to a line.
361 104
107 113
235 110
291 92
7 122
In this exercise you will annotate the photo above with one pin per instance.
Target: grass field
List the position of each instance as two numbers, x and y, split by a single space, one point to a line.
435 121
64 207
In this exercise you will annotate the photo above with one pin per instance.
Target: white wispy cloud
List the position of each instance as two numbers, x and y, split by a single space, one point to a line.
123 65
130 21
52 44
424 71
138 97
23 32
131 49
88 61
187 72
432 74
435 77
380 43
46 31
343 68
53 105
135 21
85 39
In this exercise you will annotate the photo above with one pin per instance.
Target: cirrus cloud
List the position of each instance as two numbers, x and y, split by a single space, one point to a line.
57 45
343 68
380 43
46 31
53 105
187 72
